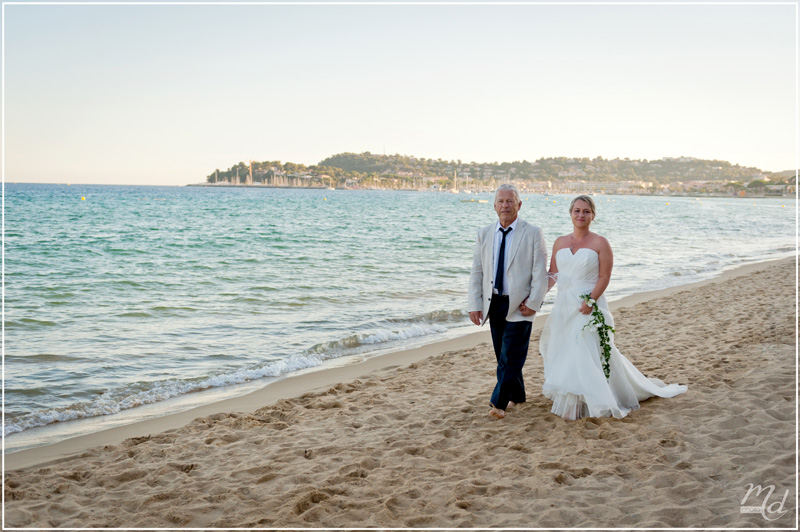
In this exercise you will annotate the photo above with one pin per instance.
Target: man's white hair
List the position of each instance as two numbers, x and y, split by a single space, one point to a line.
508 186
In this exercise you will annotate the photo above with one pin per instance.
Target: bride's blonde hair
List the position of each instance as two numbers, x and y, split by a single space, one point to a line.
587 199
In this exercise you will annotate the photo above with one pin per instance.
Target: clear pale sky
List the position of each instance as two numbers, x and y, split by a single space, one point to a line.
165 94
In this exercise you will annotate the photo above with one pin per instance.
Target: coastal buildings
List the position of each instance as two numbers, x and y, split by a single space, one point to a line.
668 175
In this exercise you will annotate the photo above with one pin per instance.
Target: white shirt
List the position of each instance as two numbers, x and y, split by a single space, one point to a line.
498 239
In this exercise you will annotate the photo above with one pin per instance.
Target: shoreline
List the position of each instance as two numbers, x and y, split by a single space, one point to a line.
489 191
294 386
787 196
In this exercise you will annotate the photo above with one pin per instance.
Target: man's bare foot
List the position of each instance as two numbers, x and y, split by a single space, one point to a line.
511 404
496 412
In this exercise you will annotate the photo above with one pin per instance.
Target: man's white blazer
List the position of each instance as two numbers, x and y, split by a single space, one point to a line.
526 274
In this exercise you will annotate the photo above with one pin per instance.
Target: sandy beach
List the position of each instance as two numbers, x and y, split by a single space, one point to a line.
405 440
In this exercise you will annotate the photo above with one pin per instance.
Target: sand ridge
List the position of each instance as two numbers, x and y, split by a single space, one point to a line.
414 447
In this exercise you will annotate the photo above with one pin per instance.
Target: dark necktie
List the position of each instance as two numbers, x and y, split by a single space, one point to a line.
501 263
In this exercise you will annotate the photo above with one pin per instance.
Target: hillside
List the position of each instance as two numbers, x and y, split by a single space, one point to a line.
368 169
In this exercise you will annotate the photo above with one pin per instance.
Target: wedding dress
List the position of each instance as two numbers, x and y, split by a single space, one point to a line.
573 372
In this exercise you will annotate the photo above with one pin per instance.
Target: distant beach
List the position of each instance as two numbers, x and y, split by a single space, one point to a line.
404 440
535 190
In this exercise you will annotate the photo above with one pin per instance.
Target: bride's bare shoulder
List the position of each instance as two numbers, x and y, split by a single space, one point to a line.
561 242
600 242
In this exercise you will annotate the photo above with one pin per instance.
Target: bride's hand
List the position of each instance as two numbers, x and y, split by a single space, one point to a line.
585 309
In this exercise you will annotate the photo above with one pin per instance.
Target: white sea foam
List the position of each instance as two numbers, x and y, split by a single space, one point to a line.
354 341
143 393
442 316
411 332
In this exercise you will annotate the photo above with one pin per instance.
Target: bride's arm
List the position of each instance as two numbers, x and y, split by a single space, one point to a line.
606 257
552 274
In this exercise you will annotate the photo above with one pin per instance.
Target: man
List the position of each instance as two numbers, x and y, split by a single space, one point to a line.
507 286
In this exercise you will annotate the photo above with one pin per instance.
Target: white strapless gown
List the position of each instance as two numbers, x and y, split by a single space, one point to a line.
573 372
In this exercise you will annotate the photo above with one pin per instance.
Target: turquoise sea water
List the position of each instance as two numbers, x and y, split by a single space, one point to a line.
139 295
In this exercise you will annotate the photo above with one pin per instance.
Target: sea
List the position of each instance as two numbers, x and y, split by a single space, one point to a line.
128 302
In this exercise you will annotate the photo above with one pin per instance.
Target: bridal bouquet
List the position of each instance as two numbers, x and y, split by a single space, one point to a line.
598 323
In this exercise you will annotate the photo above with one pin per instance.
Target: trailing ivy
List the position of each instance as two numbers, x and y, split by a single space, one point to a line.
598 323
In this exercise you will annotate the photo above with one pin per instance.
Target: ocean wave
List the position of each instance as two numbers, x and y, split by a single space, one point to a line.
418 294
124 251
412 332
683 272
348 342
336 347
168 309
250 300
46 357
24 323
127 282
139 314
143 393
442 316
263 289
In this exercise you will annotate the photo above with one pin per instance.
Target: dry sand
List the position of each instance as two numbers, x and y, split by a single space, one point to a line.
413 445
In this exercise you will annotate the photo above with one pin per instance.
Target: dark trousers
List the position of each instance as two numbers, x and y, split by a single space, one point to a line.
510 340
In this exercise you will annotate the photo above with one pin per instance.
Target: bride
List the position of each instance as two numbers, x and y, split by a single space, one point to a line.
575 378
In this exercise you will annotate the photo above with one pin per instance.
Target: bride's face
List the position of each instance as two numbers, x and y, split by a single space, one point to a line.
581 214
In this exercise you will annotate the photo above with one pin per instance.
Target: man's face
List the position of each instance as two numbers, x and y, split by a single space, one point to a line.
506 206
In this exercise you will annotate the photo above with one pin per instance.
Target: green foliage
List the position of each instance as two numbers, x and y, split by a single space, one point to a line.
370 168
598 324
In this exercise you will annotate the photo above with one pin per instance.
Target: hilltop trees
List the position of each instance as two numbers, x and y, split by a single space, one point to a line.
371 169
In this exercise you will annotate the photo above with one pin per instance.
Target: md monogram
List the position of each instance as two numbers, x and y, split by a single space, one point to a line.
769 511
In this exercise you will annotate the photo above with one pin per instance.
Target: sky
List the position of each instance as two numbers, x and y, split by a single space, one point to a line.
165 94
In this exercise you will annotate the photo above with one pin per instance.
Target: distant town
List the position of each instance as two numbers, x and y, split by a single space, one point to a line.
553 175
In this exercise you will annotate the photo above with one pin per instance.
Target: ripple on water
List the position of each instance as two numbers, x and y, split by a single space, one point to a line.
28 323
41 358
135 314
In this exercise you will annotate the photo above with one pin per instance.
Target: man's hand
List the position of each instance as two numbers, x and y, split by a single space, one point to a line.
476 317
525 311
